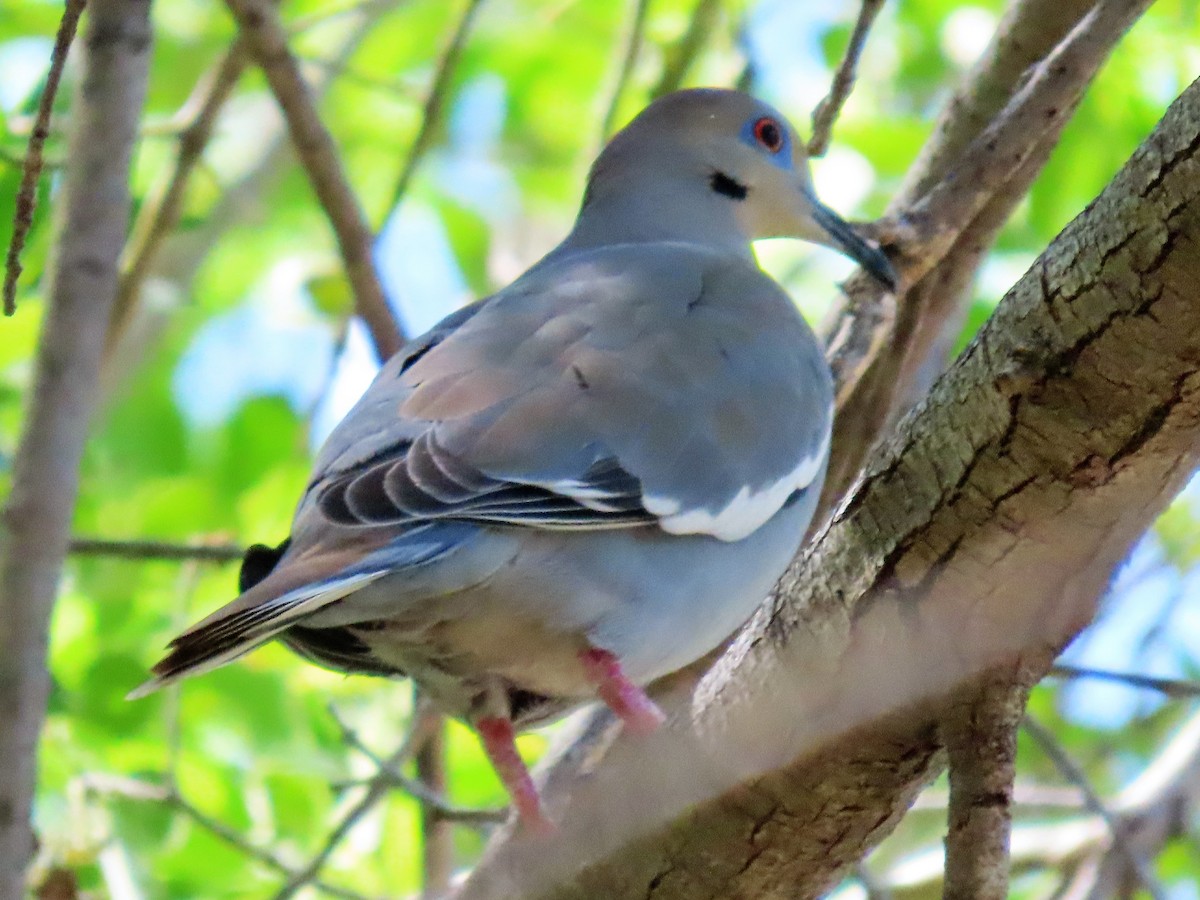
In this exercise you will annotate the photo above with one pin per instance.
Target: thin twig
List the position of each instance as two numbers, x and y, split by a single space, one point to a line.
831 105
633 48
1049 744
679 58
377 789
1170 687
437 835
426 719
18 161
435 102
156 550
160 213
267 41
149 792
32 168
180 255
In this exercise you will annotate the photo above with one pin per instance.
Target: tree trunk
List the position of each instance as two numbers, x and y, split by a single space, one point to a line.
36 519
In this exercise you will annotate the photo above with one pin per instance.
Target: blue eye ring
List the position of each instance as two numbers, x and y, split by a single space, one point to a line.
769 134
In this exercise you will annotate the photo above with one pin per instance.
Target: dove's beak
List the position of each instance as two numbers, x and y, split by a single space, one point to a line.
840 235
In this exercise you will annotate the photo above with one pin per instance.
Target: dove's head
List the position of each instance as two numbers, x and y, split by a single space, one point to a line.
715 166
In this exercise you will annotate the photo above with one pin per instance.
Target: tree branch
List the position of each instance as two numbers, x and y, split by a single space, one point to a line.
1069 770
980 735
156 550
1067 425
267 42
168 796
994 138
830 107
36 519
1171 687
376 789
634 38
679 58
435 101
179 255
31 165
160 212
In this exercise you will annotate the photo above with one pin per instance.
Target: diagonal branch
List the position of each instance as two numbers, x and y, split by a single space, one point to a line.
1058 755
266 40
634 38
161 211
830 107
678 58
435 101
168 796
31 165
996 135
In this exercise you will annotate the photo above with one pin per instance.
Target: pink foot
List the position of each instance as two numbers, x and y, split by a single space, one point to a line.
500 745
640 714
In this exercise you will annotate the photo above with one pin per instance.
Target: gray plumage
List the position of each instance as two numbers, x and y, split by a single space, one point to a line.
621 450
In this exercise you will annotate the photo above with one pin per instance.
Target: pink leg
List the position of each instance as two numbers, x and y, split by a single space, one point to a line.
639 713
499 743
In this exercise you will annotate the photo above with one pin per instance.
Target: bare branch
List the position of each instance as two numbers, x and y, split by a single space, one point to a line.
435 101
160 212
1149 809
1062 761
35 524
427 720
877 345
421 727
980 733
679 58
634 37
1171 687
437 836
148 792
266 40
33 161
156 550
830 107
181 253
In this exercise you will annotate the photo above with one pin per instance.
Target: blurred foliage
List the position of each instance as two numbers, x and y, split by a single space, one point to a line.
253 745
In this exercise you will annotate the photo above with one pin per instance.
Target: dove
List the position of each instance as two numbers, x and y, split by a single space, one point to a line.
587 480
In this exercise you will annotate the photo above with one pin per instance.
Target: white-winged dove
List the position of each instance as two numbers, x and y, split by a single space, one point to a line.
587 480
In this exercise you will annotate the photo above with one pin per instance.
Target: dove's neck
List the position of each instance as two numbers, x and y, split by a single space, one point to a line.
632 209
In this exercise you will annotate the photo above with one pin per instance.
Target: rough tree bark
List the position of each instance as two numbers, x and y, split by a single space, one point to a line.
36 518
981 534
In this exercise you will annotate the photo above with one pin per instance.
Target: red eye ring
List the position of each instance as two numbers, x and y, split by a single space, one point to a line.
769 134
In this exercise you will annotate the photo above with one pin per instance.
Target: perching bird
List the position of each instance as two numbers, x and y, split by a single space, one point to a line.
587 480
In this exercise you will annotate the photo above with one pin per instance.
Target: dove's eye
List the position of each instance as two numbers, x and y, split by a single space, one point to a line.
769 134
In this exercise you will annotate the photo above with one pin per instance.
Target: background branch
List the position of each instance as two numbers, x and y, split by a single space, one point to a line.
995 137
266 40
156 550
830 107
160 212
435 100
31 165
37 515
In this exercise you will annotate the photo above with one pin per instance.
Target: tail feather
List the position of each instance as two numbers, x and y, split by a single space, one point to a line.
224 637
277 593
